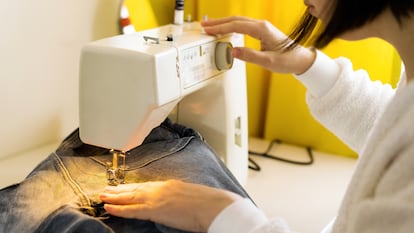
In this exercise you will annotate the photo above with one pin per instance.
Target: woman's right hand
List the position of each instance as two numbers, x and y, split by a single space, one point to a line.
186 206
271 55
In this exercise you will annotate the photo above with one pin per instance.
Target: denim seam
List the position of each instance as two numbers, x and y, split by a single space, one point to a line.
172 130
136 167
177 149
83 197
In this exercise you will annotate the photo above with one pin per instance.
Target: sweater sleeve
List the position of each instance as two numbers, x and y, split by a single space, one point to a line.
345 101
244 216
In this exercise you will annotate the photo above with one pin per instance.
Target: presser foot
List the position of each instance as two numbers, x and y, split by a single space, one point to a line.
115 170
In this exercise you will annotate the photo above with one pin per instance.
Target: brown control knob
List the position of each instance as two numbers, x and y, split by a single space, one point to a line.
223 57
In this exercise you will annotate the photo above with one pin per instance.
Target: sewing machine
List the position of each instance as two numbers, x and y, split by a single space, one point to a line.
130 83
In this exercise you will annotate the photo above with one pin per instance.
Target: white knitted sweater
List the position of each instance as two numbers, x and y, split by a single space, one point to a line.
378 123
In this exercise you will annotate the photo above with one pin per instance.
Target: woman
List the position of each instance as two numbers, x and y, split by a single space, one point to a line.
373 119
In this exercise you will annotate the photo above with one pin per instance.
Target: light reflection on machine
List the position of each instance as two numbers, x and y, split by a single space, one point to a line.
130 83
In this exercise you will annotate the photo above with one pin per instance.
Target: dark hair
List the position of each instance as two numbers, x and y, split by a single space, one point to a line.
346 15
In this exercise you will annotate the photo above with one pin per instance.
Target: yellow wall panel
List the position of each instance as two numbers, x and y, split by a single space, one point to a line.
289 119
145 14
142 14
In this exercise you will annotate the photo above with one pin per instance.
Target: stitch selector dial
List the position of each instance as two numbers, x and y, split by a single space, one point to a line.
223 57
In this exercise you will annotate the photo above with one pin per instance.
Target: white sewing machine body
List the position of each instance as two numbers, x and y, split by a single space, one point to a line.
130 83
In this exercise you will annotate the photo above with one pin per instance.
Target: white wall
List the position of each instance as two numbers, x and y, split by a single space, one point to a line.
40 42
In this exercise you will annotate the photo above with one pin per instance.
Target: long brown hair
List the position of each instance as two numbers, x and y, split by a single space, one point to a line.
346 15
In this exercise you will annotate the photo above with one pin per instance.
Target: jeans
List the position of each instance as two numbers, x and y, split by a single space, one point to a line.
61 193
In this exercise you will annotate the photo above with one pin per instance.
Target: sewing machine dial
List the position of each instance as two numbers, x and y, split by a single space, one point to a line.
223 57
204 61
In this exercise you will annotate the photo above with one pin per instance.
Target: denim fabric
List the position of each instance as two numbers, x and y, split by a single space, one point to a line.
61 193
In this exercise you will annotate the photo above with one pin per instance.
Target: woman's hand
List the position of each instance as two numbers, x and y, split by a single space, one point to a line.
271 56
185 206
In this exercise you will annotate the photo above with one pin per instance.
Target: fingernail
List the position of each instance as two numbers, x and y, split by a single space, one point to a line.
108 207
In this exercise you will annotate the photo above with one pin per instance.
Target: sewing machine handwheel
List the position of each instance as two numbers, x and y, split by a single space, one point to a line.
223 57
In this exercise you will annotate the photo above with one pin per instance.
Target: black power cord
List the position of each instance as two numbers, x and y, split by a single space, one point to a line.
254 166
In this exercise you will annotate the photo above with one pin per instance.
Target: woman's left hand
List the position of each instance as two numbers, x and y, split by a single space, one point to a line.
185 206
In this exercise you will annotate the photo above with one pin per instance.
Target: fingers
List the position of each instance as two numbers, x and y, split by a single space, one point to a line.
129 200
251 27
213 22
121 188
137 211
261 58
134 187
191 207
128 193
125 198
270 56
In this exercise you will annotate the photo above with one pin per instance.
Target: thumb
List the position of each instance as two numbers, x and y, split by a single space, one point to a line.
251 55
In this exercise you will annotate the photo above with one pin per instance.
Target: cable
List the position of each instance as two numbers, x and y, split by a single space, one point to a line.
253 165
266 154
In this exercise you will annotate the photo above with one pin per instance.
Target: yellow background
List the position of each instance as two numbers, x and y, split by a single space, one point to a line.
276 103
